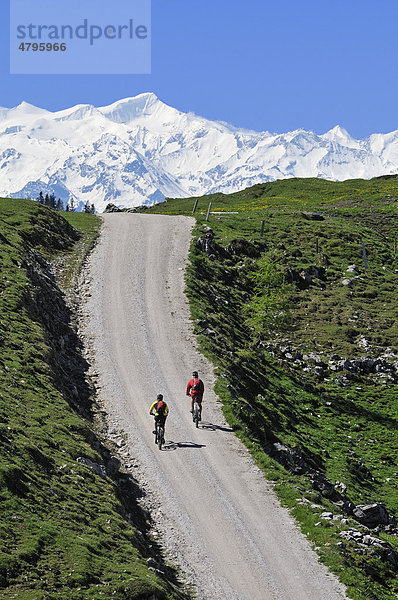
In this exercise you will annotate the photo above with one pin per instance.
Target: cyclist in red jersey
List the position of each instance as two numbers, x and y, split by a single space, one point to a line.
195 389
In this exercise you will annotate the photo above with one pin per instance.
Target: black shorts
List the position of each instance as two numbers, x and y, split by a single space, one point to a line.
161 420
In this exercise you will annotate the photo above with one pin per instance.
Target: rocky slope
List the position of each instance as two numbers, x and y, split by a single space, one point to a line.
71 526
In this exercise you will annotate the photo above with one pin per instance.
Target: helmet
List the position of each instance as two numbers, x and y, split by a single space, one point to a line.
195 374
159 397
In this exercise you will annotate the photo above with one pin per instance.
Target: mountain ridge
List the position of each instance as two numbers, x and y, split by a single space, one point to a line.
86 152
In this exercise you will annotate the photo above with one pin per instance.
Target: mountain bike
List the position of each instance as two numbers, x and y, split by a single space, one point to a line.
159 435
196 413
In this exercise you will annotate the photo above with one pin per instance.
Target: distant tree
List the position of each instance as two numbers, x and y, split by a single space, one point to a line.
47 200
60 205
89 208
51 201
71 204
67 208
40 198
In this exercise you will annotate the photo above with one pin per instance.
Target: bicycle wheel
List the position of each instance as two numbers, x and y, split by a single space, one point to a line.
156 433
160 437
196 414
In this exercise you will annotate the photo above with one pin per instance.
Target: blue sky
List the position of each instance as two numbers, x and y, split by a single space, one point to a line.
264 65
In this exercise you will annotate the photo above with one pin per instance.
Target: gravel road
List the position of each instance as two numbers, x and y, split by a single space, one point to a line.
216 515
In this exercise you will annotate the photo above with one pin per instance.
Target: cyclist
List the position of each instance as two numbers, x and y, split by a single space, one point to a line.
196 389
159 410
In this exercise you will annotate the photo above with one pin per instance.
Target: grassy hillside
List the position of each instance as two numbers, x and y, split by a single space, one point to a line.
69 520
305 345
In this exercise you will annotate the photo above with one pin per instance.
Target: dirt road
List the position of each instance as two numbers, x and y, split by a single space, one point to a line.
214 510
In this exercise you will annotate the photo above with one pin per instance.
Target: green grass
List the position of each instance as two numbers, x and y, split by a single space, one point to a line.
66 533
268 399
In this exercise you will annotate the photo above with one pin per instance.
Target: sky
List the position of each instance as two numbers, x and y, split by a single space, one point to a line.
259 64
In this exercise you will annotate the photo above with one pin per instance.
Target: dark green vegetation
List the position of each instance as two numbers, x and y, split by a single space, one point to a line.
69 529
262 304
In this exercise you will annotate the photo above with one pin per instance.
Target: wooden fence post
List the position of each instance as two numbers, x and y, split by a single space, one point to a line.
195 205
208 212
365 260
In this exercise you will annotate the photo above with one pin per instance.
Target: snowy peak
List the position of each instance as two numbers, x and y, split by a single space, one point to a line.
22 112
80 111
337 131
139 150
129 109
339 135
24 108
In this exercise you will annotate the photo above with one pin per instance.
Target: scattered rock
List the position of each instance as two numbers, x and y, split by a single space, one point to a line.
112 466
340 487
209 332
242 247
110 208
372 515
305 278
322 484
98 469
151 563
313 216
208 244
352 269
327 516
291 458
381 548
347 282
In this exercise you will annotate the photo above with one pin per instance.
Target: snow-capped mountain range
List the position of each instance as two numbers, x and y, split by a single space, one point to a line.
139 151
